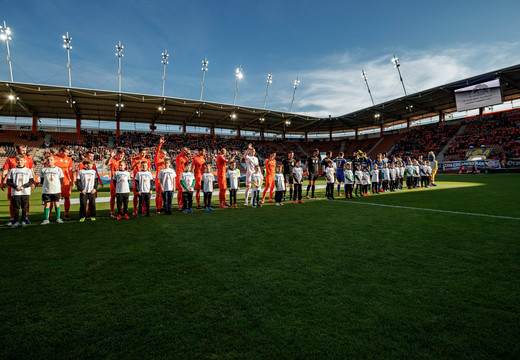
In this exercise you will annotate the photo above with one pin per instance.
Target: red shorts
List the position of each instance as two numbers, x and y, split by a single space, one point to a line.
157 184
112 189
222 185
198 181
269 182
66 190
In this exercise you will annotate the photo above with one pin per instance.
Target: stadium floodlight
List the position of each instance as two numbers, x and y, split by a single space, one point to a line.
269 81
67 40
239 75
287 122
395 60
262 119
5 35
364 74
11 97
119 54
233 116
296 83
205 63
164 62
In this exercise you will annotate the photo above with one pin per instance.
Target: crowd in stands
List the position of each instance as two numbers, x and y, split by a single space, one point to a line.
496 132
421 140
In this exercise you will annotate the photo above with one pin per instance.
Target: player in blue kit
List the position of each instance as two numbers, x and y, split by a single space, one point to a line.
340 173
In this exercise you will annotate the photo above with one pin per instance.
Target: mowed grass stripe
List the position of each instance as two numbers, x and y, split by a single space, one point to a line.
312 280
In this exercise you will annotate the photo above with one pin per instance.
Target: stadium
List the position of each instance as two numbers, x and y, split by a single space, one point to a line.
401 244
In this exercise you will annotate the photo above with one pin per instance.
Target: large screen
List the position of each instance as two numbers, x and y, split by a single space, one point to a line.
479 95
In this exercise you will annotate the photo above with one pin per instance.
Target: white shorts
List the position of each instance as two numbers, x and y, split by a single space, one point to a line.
248 179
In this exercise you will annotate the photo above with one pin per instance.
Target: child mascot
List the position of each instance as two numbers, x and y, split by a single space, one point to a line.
433 165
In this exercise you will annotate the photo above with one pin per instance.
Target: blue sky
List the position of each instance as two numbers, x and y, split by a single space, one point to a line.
324 43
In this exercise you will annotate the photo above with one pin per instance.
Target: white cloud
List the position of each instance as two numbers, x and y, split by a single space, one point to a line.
341 89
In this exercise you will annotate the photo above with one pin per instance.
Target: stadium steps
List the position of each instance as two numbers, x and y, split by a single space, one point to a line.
342 146
375 145
440 156
302 150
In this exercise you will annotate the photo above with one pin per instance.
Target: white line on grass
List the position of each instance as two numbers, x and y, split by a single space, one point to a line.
432 210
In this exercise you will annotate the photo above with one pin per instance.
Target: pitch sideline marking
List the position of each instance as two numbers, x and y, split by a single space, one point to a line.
432 210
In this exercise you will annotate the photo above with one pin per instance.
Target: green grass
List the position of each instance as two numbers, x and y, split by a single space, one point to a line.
319 280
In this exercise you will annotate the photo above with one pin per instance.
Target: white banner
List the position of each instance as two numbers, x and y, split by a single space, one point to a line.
478 96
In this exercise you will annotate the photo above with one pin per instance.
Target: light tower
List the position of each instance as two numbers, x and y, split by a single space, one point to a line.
67 40
395 60
239 76
364 74
164 62
269 81
205 63
296 83
5 34
119 54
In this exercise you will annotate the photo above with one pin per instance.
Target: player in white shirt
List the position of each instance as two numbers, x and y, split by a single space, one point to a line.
121 184
20 179
298 182
385 177
256 180
187 184
366 180
207 187
251 162
144 185
51 179
349 181
279 185
358 180
233 179
87 183
393 177
428 173
167 185
330 179
375 179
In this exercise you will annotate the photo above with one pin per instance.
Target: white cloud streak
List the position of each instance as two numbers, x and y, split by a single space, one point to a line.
339 89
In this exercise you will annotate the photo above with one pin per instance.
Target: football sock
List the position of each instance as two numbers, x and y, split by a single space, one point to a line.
47 211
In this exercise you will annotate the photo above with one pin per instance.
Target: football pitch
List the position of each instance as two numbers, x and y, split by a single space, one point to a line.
425 273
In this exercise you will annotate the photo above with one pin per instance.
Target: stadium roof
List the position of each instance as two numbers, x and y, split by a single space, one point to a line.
58 102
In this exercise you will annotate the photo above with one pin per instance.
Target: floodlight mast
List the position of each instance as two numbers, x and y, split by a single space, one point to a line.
165 62
269 81
67 40
239 75
296 83
395 60
364 74
205 63
119 54
5 34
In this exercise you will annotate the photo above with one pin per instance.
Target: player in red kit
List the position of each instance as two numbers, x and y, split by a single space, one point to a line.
65 163
197 168
221 176
160 156
113 162
270 166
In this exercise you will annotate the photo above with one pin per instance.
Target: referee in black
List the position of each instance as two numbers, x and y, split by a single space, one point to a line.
288 165
312 165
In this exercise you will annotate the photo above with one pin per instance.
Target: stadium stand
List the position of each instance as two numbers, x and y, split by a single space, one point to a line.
498 132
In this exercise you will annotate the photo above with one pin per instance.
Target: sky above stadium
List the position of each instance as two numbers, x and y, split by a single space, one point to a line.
323 43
